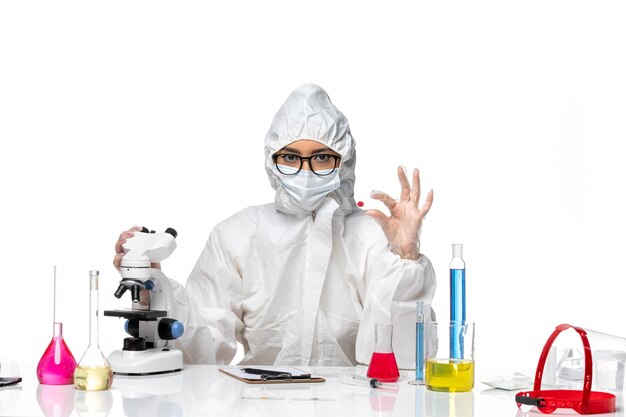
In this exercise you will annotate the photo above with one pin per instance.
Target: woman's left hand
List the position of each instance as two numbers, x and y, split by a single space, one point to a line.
402 227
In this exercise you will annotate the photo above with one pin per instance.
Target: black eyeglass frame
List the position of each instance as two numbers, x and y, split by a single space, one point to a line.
308 159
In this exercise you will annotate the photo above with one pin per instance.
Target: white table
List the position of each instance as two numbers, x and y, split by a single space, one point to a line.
201 390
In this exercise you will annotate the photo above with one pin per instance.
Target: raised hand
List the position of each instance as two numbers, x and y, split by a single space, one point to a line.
119 252
403 225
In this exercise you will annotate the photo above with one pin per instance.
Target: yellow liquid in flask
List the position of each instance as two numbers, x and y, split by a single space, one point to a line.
450 375
93 379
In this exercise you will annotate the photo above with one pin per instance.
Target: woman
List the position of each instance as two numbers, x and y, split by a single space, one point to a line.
302 281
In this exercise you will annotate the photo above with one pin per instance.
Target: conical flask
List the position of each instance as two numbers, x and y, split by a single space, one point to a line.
93 372
57 364
383 364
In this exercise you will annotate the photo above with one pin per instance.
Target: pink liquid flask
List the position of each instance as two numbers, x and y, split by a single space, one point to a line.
383 364
57 364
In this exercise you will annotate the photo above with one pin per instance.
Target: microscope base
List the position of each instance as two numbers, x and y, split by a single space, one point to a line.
146 362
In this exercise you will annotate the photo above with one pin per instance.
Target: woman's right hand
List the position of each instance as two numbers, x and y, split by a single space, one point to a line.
119 254
119 251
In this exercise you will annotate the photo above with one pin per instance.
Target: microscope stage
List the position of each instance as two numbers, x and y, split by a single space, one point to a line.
143 315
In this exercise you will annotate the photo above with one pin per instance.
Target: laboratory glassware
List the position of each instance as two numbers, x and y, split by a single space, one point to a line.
450 374
583 402
419 343
9 373
383 366
93 372
9 384
57 364
457 299
609 369
609 359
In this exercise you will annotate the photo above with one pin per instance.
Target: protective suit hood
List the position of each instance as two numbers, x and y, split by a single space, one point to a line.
309 114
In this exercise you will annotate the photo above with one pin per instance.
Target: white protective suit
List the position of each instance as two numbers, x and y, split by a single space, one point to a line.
302 288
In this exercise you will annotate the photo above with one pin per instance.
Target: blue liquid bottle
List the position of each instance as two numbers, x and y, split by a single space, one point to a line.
419 343
457 301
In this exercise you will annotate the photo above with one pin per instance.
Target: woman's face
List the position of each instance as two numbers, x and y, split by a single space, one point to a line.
323 156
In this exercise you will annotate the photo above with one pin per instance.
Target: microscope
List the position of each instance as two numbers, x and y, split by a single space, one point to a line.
146 352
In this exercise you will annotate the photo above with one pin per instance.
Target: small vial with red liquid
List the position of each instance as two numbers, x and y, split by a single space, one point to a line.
383 364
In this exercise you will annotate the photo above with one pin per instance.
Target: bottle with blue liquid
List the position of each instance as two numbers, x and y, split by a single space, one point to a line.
457 300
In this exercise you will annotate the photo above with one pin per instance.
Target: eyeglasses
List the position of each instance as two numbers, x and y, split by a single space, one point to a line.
291 164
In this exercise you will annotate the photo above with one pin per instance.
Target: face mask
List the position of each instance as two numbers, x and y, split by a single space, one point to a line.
307 188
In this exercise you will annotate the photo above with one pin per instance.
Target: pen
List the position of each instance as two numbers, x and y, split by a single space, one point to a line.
255 371
269 375
284 377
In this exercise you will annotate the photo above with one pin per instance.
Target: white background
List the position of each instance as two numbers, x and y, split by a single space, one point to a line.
154 113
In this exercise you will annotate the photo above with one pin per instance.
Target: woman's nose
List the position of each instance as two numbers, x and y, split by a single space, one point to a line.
306 167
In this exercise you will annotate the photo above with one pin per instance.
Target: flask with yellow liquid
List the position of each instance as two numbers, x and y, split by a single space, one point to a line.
93 372
451 374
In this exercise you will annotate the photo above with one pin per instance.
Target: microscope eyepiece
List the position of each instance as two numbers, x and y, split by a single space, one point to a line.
169 230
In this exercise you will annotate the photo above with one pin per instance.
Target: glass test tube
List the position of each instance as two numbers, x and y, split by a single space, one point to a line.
457 300
419 343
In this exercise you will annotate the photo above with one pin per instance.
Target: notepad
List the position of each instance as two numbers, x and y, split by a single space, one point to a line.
238 373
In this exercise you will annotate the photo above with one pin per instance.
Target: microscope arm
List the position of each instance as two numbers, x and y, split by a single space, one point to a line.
161 294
